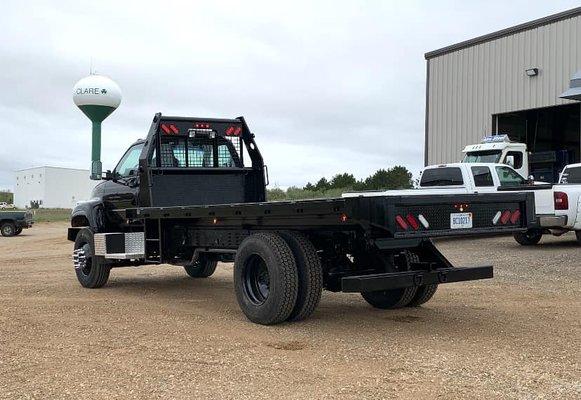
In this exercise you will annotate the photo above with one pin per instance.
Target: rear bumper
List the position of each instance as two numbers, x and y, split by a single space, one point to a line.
552 221
398 280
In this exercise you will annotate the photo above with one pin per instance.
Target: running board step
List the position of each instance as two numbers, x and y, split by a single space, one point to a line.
398 280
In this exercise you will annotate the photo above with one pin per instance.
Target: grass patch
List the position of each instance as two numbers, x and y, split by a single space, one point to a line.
51 214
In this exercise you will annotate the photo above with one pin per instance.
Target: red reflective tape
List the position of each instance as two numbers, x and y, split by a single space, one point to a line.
174 129
515 217
237 131
401 222
165 128
229 131
413 222
505 217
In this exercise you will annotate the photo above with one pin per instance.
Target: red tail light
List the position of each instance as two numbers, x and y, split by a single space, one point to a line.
515 217
413 222
165 128
505 217
233 131
401 222
561 201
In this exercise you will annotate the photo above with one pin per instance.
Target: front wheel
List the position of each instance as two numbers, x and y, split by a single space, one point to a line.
18 231
528 238
202 268
91 270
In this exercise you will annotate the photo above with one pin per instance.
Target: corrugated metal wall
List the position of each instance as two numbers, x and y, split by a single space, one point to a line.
468 86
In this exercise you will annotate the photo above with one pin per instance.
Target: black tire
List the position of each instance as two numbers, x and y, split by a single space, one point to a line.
18 231
528 238
424 292
393 298
202 268
8 229
578 235
310 274
265 278
91 270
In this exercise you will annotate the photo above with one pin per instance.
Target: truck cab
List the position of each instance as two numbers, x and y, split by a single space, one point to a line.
499 149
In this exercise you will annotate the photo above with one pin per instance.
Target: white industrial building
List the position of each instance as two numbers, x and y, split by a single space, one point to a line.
508 82
52 187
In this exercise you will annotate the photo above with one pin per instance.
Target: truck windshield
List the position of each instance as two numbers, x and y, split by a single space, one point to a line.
488 156
571 175
448 176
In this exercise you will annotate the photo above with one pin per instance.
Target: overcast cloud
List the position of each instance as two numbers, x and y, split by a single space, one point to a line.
327 87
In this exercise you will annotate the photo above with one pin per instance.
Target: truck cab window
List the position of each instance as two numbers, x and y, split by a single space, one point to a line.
482 176
517 155
200 155
130 161
447 176
572 175
509 177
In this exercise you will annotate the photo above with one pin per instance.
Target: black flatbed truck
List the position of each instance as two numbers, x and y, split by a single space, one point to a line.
186 196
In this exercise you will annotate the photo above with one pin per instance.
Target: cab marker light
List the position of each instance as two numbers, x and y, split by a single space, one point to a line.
424 221
496 218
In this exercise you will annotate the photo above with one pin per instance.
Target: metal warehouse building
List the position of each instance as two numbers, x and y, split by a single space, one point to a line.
52 187
507 82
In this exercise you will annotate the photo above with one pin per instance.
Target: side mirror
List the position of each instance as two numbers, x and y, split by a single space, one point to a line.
109 176
531 180
509 161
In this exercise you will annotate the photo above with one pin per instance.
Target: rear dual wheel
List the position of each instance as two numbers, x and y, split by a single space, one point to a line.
277 277
397 298
529 238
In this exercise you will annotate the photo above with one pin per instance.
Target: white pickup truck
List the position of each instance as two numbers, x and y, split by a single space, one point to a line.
460 178
568 200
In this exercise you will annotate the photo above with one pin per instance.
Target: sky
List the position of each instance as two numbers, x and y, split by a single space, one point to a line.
327 87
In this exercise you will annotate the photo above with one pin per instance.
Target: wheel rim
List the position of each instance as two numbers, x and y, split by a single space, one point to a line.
256 280
7 230
82 259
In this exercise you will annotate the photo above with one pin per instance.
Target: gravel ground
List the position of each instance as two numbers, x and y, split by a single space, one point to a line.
152 332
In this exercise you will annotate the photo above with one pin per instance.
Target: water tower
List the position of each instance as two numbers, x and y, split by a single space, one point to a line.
97 96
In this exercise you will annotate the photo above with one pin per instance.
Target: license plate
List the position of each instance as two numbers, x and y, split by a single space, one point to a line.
460 220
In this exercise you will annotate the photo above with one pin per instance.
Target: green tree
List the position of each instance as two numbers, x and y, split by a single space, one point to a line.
322 184
343 181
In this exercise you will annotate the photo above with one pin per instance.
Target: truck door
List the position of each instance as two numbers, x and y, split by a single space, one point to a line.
482 178
122 192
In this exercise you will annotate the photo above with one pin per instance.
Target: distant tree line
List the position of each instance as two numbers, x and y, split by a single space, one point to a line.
6 196
397 177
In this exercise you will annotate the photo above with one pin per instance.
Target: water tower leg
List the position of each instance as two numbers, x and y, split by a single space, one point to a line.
96 166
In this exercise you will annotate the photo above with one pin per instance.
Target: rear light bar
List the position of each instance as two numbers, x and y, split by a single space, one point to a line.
506 216
561 201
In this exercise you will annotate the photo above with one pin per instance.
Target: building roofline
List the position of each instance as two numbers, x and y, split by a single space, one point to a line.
574 12
48 166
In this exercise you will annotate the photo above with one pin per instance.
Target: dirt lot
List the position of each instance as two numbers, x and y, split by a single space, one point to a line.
153 332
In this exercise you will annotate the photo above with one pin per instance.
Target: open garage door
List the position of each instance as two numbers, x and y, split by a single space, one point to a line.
552 135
